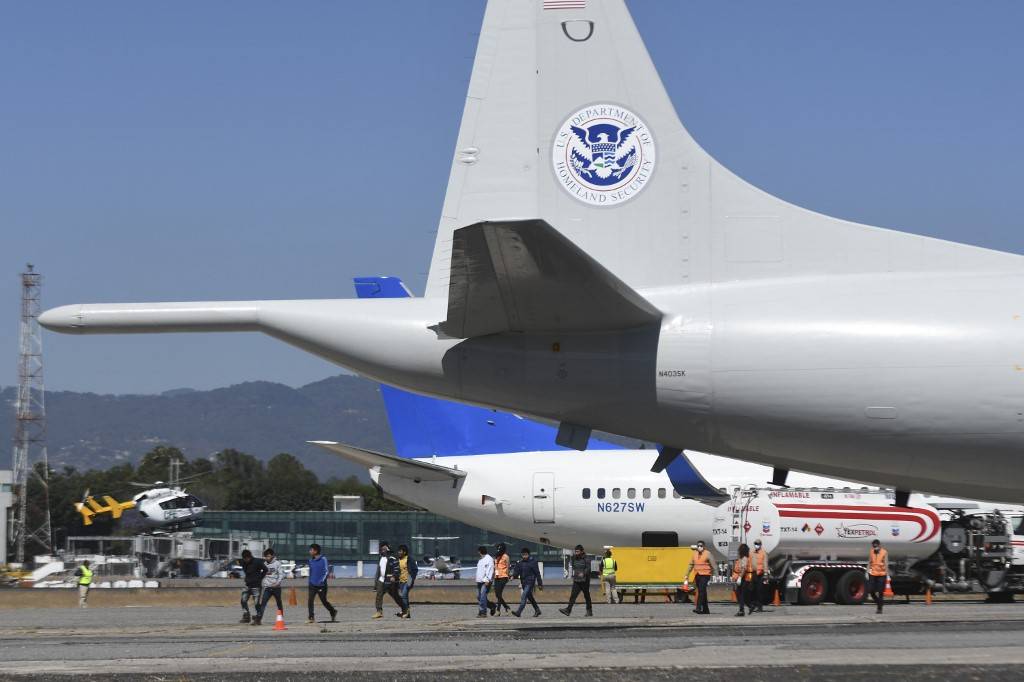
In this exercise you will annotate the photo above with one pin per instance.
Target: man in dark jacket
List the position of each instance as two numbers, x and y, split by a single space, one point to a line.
253 570
529 576
319 571
580 567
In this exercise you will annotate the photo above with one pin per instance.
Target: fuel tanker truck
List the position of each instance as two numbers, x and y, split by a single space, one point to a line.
817 542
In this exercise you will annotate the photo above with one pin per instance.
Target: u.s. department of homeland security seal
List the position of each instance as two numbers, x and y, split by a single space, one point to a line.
603 155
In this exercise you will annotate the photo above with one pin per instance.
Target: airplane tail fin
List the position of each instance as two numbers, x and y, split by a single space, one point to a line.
567 121
426 427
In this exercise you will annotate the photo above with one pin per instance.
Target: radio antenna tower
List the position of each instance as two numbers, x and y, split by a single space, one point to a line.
31 521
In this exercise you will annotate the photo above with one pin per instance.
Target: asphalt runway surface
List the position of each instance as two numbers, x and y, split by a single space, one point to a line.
952 640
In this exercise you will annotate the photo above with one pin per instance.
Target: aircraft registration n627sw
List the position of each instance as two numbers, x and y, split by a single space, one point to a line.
595 267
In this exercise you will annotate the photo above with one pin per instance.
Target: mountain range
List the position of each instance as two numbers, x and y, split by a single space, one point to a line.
261 418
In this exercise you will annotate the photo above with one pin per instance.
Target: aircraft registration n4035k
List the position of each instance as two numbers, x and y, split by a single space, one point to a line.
594 266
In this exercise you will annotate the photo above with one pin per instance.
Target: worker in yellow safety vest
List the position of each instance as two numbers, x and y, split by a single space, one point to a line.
758 566
84 574
878 573
703 569
608 568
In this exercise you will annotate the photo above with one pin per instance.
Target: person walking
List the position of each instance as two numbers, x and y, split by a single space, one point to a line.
253 570
741 573
878 573
703 569
528 572
502 564
608 568
580 566
759 576
484 579
407 571
84 574
386 579
272 581
319 572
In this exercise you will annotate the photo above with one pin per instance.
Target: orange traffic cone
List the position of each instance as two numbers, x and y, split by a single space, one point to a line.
928 596
888 588
777 599
279 623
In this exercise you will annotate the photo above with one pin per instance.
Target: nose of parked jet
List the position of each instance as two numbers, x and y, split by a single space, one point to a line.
66 318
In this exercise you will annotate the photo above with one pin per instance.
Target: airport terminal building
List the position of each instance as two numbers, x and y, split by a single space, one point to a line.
353 536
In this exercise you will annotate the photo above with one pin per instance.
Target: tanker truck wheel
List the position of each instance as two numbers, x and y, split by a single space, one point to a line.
851 588
813 588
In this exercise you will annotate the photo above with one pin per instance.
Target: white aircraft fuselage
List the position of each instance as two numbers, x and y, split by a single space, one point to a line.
912 381
594 498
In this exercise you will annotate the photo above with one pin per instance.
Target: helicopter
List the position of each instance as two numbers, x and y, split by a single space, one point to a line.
166 507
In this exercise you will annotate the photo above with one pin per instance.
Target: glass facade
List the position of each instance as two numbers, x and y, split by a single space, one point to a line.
347 536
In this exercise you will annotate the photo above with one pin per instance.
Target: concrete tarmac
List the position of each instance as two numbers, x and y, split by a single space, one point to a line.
961 640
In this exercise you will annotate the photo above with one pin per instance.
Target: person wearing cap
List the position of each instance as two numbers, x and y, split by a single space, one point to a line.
703 569
608 568
878 573
501 578
758 564
84 574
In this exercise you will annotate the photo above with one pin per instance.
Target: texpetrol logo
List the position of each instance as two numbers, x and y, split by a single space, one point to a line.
603 155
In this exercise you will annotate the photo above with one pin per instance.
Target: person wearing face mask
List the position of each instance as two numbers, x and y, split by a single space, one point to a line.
703 569
758 565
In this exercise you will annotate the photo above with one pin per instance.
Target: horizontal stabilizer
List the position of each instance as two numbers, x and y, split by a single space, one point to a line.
689 482
390 464
524 276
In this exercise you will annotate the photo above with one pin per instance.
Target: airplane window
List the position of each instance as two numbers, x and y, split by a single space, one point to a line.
600 493
631 493
676 495
661 493
586 493
616 493
647 493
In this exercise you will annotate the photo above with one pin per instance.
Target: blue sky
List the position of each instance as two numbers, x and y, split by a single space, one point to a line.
176 151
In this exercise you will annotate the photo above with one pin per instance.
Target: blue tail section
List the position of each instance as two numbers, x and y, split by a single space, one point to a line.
425 427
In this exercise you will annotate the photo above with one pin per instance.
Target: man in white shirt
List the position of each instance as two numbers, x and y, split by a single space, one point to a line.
484 578
386 580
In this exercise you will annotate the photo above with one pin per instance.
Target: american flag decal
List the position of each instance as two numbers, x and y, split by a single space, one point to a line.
565 4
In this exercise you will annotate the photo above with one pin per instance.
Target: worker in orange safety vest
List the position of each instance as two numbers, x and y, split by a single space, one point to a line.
878 573
703 569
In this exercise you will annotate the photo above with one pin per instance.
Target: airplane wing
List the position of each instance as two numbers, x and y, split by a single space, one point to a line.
391 464
525 276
